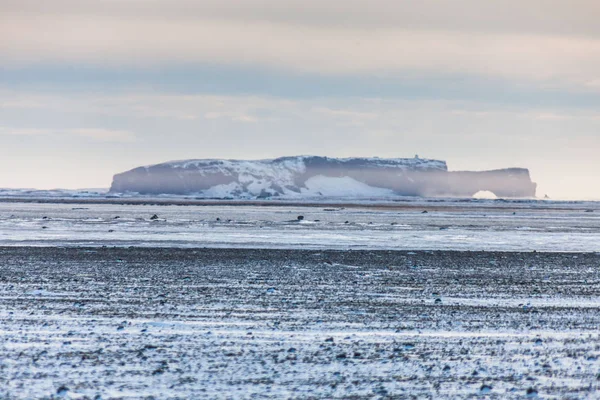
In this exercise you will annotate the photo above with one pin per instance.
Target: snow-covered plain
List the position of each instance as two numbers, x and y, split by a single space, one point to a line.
421 298
450 225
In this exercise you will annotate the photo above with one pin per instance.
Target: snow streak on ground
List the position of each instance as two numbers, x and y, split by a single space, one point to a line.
481 225
103 323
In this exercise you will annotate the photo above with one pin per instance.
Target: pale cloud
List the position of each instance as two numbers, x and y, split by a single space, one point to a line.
25 131
151 105
97 134
107 135
552 117
594 84
573 17
346 117
546 56
264 109
31 102
231 115
346 113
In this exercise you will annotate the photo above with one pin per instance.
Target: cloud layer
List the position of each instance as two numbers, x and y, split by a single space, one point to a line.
559 46
99 134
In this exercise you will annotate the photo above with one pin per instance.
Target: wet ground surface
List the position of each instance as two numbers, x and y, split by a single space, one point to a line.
246 323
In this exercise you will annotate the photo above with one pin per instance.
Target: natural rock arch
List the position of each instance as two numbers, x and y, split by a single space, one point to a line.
485 195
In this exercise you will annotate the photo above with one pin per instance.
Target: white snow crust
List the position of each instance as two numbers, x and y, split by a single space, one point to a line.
342 187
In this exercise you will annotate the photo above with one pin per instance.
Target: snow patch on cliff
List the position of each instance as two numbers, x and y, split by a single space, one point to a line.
221 191
341 187
276 169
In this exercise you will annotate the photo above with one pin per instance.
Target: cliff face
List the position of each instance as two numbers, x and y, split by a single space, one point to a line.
509 182
310 176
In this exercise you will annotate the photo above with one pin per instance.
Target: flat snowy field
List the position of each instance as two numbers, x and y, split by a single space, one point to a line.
427 225
362 301
247 323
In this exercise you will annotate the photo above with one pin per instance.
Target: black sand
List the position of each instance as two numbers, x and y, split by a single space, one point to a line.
241 323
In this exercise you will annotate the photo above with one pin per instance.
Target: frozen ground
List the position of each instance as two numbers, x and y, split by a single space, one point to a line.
250 323
423 224
364 300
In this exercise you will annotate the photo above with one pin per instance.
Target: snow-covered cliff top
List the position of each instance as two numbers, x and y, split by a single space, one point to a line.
298 163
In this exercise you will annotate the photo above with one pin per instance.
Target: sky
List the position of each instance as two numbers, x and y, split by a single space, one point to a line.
90 88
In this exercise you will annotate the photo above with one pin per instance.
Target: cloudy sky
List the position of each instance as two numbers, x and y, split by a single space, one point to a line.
89 88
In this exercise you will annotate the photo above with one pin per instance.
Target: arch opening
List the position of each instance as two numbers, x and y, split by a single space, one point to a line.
485 195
